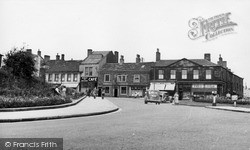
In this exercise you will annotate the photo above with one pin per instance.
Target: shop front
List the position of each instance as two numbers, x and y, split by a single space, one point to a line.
204 90
137 91
88 83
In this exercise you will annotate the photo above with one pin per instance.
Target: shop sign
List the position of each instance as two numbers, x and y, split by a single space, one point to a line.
207 86
89 79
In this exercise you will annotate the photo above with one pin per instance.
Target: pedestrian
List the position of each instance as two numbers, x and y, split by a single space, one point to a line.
89 92
176 98
103 93
94 92
63 93
57 91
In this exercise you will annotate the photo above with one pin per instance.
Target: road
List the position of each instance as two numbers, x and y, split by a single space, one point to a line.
139 126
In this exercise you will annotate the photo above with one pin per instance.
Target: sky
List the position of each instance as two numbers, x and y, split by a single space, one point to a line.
130 27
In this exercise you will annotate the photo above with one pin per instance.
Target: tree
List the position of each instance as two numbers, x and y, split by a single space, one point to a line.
20 63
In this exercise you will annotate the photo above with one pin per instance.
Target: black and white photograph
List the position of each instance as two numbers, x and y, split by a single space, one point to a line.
124 75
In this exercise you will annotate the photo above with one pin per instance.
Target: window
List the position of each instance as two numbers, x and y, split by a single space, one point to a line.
88 71
62 77
208 74
123 90
137 78
121 78
75 77
106 90
173 74
50 77
196 74
160 74
69 77
56 77
184 74
106 78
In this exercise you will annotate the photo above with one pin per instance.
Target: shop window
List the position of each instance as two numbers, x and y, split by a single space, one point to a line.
106 89
208 74
56 78
75 77
160 74
173 74
69 77
184 74
123 90
121 78
196 74
62 77
107 78
50 77
137 78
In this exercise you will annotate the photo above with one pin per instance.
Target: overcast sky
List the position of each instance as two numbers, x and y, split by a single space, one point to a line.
130 27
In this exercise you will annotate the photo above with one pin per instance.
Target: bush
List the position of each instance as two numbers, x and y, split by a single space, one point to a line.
15 102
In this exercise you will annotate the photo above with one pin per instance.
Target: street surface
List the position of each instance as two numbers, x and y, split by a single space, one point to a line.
139 126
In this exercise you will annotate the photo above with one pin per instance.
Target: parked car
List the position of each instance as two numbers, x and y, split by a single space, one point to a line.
155 96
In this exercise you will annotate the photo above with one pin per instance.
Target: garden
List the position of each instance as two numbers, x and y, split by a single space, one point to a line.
19 87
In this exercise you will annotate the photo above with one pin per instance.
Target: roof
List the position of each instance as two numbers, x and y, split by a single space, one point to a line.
95 57
202 62
63 66
145 66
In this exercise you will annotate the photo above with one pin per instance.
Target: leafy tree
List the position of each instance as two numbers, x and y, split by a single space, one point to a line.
20 63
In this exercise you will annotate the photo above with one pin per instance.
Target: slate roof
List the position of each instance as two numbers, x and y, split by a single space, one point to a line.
95 57
63 66
202 62
145 66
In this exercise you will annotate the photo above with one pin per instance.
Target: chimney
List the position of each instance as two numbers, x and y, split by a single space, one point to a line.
57 57
89 51
116 56
138 59
39 52
158 55
46 58
221 62
207 56
122 59
1 60
62 57
29 51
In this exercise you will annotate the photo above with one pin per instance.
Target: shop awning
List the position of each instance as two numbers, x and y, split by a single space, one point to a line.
162 86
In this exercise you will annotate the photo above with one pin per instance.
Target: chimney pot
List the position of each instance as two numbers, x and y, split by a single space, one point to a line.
207 56
57 57
158 55
90 51
62 57
122 59
138 59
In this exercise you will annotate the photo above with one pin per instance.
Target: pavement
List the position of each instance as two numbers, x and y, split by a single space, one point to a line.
86 107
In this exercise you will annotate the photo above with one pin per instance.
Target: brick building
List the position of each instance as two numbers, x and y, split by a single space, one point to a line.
125 79
195 77
90 66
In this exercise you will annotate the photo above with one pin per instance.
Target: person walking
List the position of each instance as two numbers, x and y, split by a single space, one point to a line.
94 92
103 93
176 98
63 91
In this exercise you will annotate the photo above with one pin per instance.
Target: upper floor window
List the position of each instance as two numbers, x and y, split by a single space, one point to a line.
62 77
173 74
56 78
50 77
88 71
121 78
136 78
208 74
75 77
160 74
69 77
106 78
184 74
196 74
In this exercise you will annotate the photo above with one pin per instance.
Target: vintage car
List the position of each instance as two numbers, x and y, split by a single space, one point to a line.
155 96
